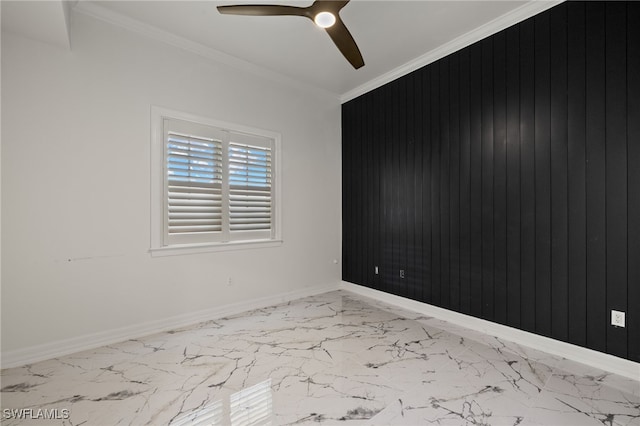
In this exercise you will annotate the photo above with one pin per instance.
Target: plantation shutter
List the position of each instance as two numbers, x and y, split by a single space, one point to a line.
251 214
218 185
194 178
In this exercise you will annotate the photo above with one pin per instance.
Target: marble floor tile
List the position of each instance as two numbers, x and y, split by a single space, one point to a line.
600 377
584 400
335 358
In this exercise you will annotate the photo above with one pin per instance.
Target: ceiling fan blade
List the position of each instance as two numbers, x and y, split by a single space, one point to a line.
345 42
332 6
262 10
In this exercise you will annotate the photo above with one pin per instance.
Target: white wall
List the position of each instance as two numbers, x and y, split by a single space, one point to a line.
76 185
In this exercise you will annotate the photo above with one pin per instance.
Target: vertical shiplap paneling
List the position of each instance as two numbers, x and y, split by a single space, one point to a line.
527 177
419 142
426 183
391 199
616 174
387 192
367 204
465 183
352 171
411 208
504 178
633 178
409 173
397 195
348 216
595 176
375 182
513 175
487 179
376 185
500 177
387 244
454 182
360 196
445 218
435 185
576 170
542 175
559 185
475 234
402 187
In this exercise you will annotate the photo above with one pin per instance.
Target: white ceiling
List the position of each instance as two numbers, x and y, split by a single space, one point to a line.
394 36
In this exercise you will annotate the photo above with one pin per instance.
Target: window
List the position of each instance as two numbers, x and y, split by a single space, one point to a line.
217 183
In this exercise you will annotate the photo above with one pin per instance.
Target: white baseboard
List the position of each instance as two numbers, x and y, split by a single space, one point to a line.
576 353
59 348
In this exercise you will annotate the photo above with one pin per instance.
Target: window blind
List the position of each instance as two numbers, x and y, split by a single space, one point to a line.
194 167
218 185
249 188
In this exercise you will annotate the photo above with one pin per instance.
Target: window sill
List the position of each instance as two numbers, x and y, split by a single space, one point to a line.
176 250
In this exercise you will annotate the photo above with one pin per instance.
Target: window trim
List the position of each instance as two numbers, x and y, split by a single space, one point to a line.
158 114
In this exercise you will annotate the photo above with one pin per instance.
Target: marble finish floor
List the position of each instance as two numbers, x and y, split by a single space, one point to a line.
336 358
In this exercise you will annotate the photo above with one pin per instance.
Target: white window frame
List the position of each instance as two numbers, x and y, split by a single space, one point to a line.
158 186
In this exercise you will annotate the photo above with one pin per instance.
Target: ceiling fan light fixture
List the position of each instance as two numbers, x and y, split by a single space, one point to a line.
324 19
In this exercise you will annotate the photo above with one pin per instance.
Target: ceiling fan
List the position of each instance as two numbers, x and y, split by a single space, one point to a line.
325 14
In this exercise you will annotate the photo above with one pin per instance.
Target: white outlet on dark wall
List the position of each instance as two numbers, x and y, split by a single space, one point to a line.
617 318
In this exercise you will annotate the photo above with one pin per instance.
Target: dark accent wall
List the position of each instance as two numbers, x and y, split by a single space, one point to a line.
504 179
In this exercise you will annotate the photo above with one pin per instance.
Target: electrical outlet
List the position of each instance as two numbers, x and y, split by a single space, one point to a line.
229 281
401 273
617 318
375 269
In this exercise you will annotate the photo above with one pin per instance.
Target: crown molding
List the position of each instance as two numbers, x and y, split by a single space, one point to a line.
513 17
117 19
